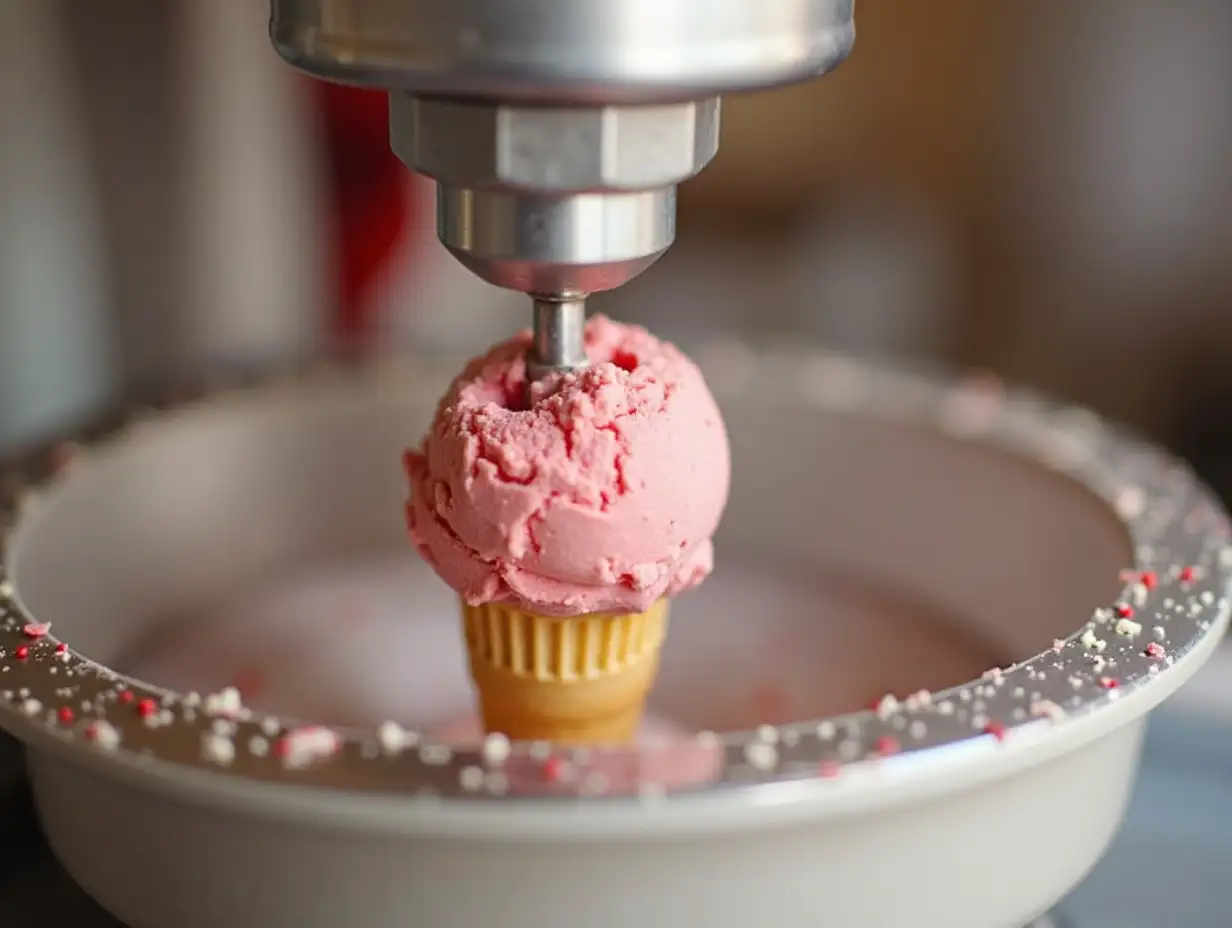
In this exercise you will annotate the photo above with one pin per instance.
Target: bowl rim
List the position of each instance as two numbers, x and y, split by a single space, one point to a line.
1117 664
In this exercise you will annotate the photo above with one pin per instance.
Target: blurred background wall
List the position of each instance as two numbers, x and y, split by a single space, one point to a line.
1042 189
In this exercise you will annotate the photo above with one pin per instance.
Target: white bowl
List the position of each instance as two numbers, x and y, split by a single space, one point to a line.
865 503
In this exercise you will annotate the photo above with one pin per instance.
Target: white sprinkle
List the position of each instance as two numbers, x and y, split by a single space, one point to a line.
919 699
1138 594
917 729
761 755
945 707
825 731
1102 615
435 755
768 734
1075 682
1159 632
886 706
6 588
496 749
192 699
1092 642
1043 708
217 749
31 707
394 739
542 750
303 746
271 726
258 746
1128 628
103 734
226 702
791 737
471 779
224 728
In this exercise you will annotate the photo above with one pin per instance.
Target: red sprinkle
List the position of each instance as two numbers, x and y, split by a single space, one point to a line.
1109 683
829 769
126 696
61 648
1150 579
1124 610
886 746
21 652
1154 649
146 708
553 769
996 729
1187 574
35 630
65 715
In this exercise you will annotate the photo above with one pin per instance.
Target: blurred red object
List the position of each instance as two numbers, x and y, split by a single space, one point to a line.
371 196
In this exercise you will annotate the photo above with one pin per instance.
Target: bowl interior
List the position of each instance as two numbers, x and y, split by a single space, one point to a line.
259 542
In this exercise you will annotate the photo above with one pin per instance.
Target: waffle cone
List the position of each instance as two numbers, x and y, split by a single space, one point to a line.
579 679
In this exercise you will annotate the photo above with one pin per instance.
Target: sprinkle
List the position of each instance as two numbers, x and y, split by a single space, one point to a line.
471 779
829 769
996 729
768 734
394 739
225 702
496 749
554 769
1124 610
1187 574
886 746
217 749
886 706
761 755
435 755
1154 650
147 708
302 746
1127 628
1091 641
65 715
36 630
21 652
1109 683
31 707
126 696
105 735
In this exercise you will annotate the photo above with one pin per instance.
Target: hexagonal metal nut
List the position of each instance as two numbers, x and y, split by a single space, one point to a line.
554 149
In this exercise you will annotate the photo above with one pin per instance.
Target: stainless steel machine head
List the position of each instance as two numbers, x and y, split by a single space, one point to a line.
557 131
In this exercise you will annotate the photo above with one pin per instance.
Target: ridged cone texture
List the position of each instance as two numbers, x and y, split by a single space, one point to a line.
577 680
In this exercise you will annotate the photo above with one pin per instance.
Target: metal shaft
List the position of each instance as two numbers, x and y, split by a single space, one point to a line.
559 344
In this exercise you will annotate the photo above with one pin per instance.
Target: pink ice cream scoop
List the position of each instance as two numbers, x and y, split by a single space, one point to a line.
597 491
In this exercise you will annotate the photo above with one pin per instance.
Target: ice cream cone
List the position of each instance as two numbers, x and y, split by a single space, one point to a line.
579 679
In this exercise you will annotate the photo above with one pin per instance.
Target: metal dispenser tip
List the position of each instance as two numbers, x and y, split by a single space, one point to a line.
559 345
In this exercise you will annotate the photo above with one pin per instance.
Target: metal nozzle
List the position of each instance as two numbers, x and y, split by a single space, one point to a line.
559 343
